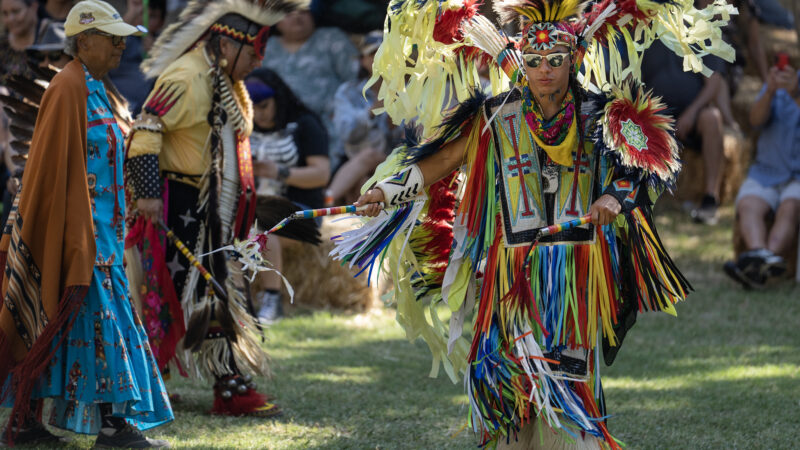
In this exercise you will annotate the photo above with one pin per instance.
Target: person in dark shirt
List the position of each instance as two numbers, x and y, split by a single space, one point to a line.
128 78
290 158
690 98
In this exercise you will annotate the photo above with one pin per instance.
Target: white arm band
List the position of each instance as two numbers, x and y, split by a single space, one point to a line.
402 187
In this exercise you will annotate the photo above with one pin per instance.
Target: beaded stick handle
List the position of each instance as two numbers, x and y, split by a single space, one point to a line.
313 213
559 227
552 229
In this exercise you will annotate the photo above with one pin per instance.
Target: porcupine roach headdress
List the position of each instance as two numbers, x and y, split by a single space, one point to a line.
201 16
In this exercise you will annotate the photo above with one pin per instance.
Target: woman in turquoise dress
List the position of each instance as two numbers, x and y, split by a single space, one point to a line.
102 376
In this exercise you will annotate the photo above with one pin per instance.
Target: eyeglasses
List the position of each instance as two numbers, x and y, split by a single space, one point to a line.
553 59
115 40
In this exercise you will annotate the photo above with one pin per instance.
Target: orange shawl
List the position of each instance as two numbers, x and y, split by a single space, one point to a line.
47 250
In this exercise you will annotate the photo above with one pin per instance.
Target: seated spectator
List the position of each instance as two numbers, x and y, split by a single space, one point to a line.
290 159
54 10
367 138
50 49
690 98
314 62
772 186
22 29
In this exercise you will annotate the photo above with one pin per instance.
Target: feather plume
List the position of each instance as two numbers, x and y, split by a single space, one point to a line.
197 326
43 73
448 23
20 106
23 134
538 10
20 159
197 18
20 147
25 87
21 120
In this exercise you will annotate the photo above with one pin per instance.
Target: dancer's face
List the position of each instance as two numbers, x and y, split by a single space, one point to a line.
550 76
242 59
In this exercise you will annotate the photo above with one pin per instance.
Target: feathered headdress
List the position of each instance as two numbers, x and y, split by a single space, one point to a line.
545 23
201 15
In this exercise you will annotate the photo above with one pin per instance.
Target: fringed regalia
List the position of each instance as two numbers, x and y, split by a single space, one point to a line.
545 311
190 148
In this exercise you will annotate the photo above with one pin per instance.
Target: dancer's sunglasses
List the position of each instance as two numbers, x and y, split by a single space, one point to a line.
553 59
115 40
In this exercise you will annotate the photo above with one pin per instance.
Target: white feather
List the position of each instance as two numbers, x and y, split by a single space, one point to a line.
599 21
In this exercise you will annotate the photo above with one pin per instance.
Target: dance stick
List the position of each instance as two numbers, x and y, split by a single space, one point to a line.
313 213
552 229
559 227
216 288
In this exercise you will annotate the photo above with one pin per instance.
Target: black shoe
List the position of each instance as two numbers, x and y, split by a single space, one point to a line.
733 271
34 434
753 268
774 265
128 437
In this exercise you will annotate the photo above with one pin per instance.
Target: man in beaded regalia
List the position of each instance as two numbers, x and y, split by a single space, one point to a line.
189 165
551 249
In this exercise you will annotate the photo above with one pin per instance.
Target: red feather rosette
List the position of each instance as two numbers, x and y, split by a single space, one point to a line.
636 131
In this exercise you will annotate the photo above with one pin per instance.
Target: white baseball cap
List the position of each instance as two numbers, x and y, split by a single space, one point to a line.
97 14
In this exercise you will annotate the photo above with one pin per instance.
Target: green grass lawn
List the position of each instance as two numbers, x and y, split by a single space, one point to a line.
725 374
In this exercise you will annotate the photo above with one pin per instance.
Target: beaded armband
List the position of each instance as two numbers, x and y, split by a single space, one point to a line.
402 187
148 123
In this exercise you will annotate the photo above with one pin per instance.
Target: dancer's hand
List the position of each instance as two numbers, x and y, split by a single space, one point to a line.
604 210
373 197
150 208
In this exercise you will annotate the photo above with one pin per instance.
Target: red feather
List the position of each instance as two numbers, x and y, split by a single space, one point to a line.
624 8
439 222
448 24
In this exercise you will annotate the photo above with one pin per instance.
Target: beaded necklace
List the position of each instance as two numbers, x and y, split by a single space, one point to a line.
557 136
